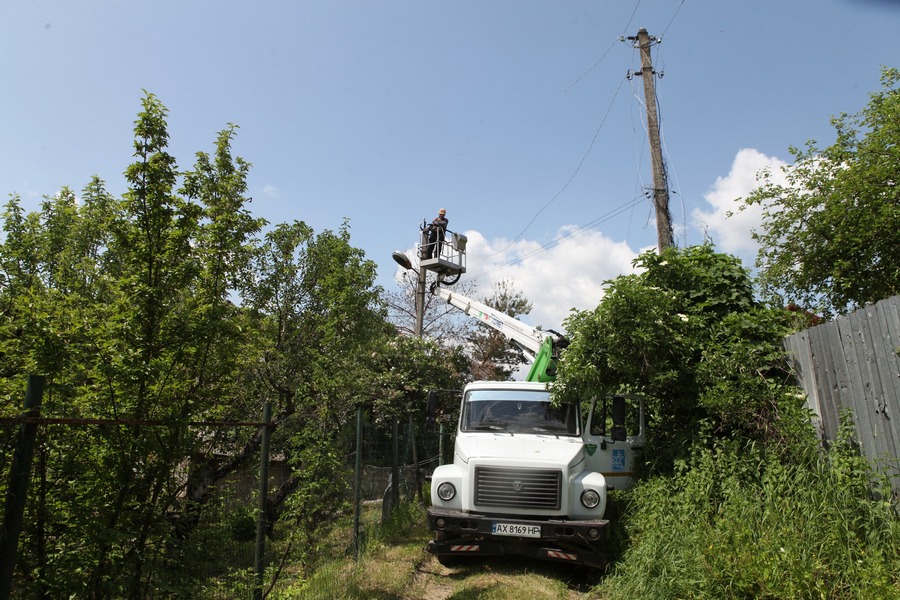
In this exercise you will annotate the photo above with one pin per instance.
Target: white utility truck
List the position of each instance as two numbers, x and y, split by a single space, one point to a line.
529 478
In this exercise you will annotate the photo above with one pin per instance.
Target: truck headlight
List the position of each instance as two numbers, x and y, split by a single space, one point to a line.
590 498
446 491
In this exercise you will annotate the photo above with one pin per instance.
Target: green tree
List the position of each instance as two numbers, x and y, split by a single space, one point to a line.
406 369
111 299
51 304
147 357
63 316
167 305
829 240
687 333
322 317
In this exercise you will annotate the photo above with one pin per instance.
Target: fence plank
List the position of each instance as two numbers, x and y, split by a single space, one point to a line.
853 363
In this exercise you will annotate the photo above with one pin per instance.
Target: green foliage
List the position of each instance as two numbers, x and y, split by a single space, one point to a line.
319 495
738 521
167 305
828 239
743 503
405 369
687 333
742 376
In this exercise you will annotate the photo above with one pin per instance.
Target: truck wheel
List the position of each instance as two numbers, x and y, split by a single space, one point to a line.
451 561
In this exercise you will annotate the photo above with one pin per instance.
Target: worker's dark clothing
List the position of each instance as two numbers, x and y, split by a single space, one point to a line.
436 232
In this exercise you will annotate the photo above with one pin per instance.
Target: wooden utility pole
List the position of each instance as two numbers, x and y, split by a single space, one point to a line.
660 184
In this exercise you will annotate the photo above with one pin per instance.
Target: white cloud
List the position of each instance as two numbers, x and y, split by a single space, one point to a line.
732 233
569 274
269 190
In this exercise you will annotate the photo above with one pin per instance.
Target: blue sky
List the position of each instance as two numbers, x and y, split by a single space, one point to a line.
515 115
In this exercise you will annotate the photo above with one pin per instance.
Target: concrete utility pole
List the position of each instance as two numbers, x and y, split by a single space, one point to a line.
419 329
660 184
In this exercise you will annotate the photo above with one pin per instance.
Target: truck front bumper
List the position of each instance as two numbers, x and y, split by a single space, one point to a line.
470 534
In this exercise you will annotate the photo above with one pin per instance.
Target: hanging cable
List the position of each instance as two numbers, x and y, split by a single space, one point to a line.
571 177
581 230
591 68
672 19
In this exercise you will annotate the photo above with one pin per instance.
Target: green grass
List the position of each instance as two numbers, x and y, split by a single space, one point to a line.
385 567
749 524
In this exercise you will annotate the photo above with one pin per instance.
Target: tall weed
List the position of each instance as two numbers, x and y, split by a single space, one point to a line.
741 521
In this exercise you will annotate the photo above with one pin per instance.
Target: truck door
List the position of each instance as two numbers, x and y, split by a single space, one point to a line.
613 435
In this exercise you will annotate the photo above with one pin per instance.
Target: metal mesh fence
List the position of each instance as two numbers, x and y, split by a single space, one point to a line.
211 554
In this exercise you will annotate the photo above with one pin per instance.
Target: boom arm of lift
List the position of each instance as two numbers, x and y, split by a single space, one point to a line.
540 347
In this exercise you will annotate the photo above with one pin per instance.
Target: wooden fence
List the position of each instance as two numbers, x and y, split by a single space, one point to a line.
853 362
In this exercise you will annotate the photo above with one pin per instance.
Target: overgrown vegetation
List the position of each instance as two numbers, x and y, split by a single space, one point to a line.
738 499
739 520
688 334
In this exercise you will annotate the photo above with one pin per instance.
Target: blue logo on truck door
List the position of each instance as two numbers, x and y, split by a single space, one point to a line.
618 460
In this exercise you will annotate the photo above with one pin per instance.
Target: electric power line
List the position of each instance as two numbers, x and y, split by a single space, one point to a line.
581 230
571 177
591 68
675 14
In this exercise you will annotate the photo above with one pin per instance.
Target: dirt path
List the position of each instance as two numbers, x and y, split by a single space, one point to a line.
501 578
434 584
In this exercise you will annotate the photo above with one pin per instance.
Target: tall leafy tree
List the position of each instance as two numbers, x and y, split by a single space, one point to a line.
21 271
829 239
124 304
687 333
321 315
148 341
168 306
52 260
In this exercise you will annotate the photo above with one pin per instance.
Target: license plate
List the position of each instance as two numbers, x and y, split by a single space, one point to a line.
516 529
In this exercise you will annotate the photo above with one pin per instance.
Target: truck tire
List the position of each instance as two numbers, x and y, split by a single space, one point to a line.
450 561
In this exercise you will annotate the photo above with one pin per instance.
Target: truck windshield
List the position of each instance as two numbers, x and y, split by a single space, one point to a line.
518 411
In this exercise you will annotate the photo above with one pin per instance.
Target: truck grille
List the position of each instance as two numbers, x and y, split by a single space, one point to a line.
520 488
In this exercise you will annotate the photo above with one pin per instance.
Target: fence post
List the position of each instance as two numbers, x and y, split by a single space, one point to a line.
263 498
415 459
441 444
357 478
19 475
395 463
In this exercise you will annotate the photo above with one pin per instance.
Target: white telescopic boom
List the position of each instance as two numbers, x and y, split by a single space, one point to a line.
529 338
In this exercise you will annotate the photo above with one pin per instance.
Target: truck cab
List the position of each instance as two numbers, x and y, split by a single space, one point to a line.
529 477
